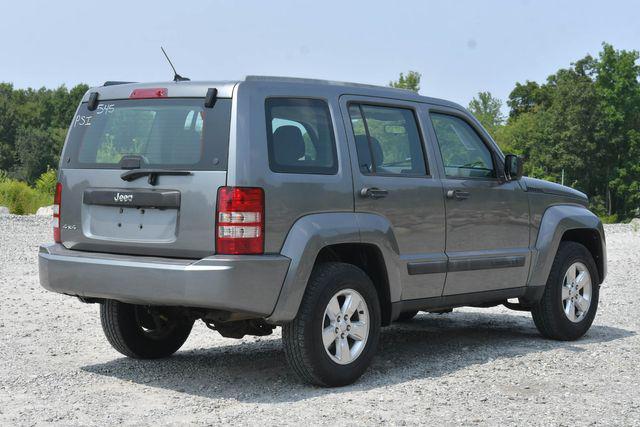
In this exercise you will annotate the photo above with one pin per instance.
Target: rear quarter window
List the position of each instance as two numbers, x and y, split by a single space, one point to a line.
300 136
164 133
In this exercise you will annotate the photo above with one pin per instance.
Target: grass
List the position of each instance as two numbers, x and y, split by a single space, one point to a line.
22 199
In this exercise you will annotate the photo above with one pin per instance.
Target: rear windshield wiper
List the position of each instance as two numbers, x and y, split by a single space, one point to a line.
153 174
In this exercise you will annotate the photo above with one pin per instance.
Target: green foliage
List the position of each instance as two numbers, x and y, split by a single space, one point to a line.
46 184
525 97
22 199
486 109
39 150
585 121
33 125
410 82
609 219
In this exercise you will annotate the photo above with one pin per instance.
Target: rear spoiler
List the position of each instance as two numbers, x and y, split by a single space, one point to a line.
115 82
93 97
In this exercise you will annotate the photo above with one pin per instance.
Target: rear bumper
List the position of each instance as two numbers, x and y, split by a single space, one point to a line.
246 284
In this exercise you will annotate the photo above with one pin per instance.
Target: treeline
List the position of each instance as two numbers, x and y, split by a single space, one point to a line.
33 126
582 127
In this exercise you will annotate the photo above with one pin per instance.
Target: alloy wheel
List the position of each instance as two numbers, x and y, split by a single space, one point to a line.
345 326
576 292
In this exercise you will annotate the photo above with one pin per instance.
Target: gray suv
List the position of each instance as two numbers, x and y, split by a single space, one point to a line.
330 209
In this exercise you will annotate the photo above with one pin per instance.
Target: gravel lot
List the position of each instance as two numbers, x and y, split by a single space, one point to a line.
473 366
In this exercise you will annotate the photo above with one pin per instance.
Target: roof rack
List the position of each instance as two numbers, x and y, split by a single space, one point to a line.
316 81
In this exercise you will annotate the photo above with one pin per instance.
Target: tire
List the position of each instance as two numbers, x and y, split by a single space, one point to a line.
303 337
406 316
550 313
143 332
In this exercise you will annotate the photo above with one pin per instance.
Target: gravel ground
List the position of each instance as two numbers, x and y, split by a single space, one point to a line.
472 366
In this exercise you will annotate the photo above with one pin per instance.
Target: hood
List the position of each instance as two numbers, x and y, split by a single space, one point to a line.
542 186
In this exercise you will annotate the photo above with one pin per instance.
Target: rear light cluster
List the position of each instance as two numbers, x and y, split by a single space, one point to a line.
57 205
240 221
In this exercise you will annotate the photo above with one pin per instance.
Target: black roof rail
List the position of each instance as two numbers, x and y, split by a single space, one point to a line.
114 83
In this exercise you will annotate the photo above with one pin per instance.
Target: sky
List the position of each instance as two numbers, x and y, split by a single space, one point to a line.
459 47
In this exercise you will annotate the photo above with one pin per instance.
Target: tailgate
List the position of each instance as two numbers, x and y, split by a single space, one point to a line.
170 212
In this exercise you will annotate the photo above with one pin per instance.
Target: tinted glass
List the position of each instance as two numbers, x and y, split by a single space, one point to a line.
166 133
463 153
300 136
362 145
387 140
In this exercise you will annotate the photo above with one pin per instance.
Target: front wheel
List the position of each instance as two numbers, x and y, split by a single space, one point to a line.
570 300
144 332
334 336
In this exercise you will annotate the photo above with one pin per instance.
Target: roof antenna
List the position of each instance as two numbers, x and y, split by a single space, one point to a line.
176 77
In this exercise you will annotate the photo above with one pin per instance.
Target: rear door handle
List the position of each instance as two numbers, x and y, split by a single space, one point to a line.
373 193
458 194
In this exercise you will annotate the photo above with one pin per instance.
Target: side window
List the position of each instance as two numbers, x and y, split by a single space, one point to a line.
463 153
387 140
300 136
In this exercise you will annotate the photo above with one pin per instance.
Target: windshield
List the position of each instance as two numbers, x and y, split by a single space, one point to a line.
164 133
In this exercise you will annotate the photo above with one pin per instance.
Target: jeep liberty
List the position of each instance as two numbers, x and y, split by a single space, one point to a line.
329 209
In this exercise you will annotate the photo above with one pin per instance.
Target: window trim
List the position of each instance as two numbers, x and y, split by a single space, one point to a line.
417 122
495 156
300 170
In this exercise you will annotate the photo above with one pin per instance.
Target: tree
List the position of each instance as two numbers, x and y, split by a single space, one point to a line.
618 134
410 82
524 98
487 110
38 150
33 124
7 126
584 121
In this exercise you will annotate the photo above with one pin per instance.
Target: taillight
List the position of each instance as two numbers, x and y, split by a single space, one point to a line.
240 221
57 205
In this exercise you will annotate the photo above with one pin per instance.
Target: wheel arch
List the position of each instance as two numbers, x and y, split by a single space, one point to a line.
364 240
589 238
367 257
567 223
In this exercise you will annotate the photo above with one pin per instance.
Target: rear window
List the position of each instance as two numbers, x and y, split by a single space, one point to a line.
165 133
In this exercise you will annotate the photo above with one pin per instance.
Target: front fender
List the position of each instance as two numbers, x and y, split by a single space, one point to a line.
311 233
556 221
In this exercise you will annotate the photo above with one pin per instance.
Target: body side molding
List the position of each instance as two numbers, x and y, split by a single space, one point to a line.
486 263
464 264
426 267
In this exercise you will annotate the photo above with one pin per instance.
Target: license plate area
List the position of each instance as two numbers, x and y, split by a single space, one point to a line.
130 224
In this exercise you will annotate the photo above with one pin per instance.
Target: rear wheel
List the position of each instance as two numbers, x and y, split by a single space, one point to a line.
570 300
334 336
144 332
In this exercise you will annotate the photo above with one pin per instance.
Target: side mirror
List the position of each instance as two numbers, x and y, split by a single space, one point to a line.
512 167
